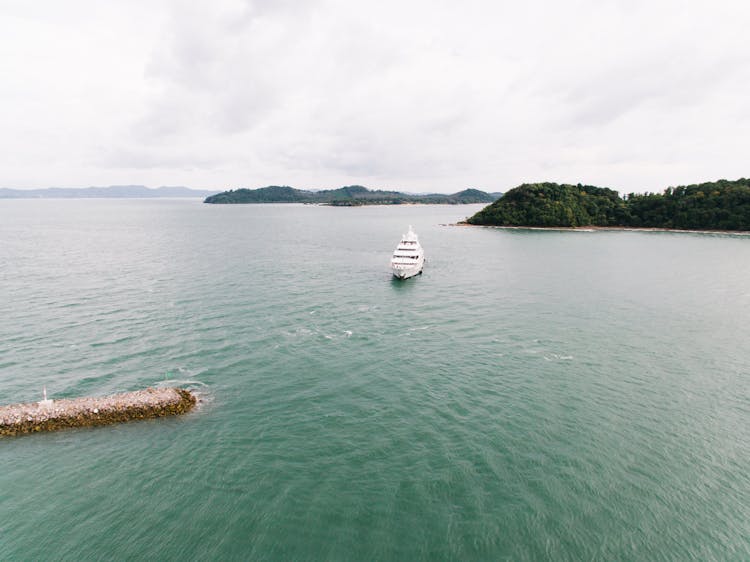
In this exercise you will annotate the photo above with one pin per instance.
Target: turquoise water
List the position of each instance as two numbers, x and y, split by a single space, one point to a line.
534 395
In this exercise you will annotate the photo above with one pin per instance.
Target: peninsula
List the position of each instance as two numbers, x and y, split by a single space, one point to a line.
353 195
719 205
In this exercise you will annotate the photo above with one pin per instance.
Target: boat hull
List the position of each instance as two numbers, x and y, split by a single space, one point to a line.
406 272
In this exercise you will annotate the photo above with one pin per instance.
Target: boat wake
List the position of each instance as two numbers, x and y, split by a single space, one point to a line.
557 357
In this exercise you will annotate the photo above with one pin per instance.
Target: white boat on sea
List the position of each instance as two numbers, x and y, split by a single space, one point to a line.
408 257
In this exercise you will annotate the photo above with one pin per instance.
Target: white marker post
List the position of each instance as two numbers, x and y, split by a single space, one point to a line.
45 403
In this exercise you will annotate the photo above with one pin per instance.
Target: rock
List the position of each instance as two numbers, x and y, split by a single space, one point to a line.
81 412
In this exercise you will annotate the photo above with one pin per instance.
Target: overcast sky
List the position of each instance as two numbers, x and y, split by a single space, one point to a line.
423 95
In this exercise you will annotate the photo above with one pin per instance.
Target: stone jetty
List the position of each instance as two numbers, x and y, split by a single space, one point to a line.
51 415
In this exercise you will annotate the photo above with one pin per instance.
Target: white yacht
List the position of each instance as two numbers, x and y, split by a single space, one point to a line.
408 257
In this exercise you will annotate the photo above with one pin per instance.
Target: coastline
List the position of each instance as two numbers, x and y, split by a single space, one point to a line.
608 229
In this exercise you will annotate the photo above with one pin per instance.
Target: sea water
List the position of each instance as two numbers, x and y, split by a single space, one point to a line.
533 395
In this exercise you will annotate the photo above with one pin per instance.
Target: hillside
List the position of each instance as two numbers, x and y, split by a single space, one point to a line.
720 205
352 195
552 204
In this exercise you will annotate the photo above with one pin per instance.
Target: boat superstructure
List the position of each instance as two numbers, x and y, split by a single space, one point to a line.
408 257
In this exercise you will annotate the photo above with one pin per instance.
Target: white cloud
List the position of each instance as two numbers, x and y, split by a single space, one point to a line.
422 95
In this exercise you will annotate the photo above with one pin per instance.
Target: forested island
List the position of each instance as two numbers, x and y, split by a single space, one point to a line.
353 195
719 205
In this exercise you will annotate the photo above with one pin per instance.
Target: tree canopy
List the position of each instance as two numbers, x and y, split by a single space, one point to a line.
345 196
552 204
720 205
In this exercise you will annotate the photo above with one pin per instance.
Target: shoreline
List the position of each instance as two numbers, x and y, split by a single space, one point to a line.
608 229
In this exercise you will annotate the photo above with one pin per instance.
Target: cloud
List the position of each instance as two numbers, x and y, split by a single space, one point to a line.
421 95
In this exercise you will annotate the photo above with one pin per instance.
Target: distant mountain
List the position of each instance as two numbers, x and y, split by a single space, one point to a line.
113 191
352 195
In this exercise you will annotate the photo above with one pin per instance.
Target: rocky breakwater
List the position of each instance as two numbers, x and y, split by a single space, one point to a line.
51 415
